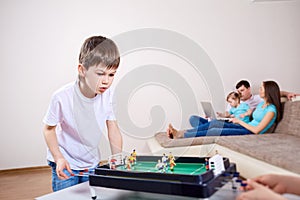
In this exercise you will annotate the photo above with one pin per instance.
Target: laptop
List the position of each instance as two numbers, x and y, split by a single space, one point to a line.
209 111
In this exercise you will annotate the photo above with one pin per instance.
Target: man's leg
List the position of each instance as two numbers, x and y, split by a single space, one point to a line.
196 120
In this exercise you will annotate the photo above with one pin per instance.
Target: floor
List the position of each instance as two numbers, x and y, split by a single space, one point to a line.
25 184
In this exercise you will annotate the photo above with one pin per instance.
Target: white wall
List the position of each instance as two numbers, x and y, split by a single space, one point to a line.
40 42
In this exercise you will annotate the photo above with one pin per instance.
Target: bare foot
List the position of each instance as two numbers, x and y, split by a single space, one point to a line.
173 133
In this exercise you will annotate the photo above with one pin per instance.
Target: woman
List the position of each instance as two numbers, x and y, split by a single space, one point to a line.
265 115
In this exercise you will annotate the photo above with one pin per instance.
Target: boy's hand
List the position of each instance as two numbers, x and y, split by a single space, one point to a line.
258 192
62 164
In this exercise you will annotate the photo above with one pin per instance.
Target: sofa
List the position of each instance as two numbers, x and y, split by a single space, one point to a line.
272 152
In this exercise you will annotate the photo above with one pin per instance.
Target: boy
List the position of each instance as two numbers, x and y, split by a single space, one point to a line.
78 113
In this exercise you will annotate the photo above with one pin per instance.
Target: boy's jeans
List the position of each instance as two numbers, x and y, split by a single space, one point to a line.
58 184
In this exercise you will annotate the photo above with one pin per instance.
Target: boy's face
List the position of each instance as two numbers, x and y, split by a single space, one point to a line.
98 78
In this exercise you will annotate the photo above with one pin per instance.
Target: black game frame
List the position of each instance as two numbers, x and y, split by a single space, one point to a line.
200 186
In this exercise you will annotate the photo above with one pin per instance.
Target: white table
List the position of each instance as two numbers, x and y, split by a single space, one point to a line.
82 192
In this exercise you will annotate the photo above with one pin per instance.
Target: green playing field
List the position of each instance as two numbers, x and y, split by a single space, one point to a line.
180 168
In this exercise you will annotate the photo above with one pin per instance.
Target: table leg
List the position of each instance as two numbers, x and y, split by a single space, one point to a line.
93 193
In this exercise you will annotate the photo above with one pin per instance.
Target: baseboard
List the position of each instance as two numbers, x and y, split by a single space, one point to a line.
35 168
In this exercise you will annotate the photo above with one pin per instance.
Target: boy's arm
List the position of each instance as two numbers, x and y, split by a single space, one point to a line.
52 143
114 136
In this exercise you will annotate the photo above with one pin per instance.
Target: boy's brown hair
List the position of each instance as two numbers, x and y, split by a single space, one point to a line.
99 50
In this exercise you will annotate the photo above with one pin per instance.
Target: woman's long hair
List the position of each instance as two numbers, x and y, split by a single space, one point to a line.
272 96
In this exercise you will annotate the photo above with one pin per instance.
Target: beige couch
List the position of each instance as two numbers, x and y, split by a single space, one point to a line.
277 152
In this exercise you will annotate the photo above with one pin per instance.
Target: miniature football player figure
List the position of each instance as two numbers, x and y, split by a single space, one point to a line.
170 157
206 164
131 159
172 164
164 159
134 156
127 164
113 163
160 166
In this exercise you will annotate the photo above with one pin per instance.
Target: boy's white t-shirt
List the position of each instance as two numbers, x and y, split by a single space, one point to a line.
80 122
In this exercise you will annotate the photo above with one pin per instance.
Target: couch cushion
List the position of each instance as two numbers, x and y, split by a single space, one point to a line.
277 149
290 123
166 142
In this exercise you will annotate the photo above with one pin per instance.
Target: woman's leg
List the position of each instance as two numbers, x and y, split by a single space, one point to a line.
198 131
217 124
218 132
212 124
196 120
173 133
193 131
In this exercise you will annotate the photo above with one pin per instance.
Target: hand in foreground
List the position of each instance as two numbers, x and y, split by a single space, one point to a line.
62 164
258 191
274 181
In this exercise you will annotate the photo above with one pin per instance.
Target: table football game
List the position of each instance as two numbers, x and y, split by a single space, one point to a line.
191 176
